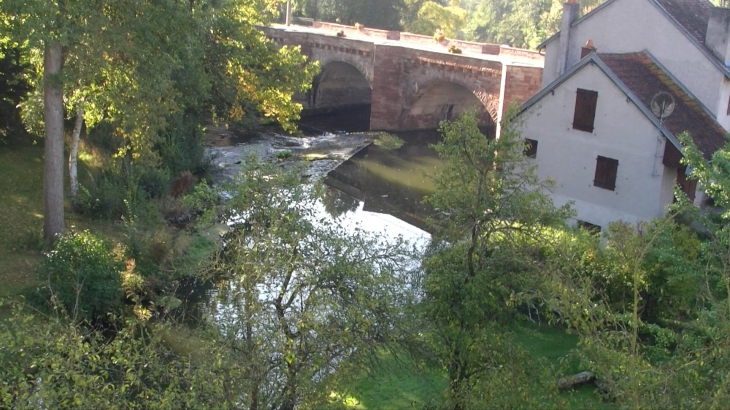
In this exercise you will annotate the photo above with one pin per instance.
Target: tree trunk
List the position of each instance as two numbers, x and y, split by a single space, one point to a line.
565 383
74 153
53 221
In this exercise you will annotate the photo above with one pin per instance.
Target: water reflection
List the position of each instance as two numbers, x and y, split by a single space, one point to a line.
392 182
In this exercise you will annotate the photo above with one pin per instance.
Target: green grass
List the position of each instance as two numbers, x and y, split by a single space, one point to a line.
399 385
21 219
555 345
395 383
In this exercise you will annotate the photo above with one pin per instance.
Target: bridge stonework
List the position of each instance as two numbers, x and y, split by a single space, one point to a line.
413 83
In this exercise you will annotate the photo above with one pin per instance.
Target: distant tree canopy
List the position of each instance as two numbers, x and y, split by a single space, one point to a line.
432 16
519 23
382 14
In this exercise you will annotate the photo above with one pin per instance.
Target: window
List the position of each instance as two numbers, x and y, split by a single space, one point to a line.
728 106
585 109
530 148
605 173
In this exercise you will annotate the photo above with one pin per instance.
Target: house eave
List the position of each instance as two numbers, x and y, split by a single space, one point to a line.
593 58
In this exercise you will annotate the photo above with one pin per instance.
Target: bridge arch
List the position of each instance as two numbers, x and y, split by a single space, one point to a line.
339 85
443 99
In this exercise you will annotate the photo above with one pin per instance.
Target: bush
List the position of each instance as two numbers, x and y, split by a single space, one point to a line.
284 154
55 365
83 277
181 148
155 182
103 197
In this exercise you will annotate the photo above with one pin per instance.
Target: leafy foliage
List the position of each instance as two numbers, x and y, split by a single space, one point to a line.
432 16
82 276
308 301
53 364
382 14
489 204
519 23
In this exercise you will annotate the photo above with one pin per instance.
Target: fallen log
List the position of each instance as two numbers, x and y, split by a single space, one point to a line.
568 382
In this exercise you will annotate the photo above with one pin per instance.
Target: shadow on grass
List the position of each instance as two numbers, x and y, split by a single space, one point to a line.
21 219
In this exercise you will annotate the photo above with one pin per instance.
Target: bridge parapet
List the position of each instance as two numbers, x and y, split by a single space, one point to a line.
428 41
351 31
409 80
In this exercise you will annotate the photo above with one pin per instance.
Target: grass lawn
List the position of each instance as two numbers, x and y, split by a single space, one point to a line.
555 344
399 385
21 219
21 201
395 384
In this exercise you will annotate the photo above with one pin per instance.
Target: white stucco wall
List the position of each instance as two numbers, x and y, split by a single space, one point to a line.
550 70
722 105
635 25
643 185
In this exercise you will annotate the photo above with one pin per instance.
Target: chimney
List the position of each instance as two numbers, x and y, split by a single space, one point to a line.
587 49
570 10
717 37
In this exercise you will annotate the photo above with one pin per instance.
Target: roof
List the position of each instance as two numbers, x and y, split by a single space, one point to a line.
689 16
645 78
641 77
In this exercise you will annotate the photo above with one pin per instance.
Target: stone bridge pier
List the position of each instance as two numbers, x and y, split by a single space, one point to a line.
410 81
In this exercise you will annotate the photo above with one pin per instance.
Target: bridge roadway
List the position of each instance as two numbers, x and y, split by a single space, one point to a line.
410 81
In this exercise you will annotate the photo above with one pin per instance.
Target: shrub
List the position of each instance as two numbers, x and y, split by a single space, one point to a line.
389 141
155 182
55 365
147 239
83 277
284 154
103 197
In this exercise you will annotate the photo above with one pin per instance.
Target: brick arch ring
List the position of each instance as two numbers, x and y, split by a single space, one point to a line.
490 102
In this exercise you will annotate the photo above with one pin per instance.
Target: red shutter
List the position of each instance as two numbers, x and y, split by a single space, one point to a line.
688 186
585 109
606 172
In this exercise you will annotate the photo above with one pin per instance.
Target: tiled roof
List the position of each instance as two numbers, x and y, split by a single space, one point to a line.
692 16
645 78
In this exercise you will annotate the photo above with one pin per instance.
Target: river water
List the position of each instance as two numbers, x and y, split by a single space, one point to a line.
376 189
382 189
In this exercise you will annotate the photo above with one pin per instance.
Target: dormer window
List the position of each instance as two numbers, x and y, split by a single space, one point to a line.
585 110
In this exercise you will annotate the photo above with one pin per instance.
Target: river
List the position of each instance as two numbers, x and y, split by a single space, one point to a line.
377 189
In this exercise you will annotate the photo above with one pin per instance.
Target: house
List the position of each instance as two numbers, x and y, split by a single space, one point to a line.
606 131
689 37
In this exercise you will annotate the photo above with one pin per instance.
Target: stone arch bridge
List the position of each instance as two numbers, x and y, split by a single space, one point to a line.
410 81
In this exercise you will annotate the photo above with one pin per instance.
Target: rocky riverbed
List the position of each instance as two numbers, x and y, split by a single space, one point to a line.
227 150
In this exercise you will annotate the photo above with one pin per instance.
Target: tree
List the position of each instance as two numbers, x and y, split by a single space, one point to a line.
382 14
306 300
489 206
133 64
519 23
646 358
432 16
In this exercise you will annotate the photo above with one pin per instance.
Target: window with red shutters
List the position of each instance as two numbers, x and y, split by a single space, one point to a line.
585 110
606 169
